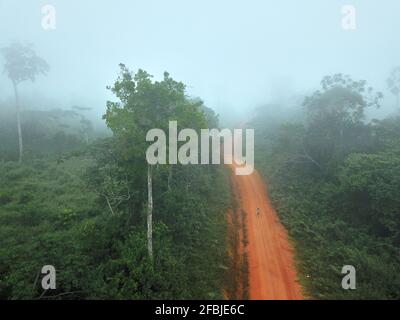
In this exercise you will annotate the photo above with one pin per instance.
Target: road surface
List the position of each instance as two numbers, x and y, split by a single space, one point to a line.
272 273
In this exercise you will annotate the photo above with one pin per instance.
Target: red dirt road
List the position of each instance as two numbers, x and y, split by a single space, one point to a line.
272 274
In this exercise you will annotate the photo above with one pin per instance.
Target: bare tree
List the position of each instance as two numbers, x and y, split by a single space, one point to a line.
115 193
21 64
150 211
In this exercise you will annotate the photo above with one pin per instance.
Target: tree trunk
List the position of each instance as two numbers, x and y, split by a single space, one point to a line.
308 156
18 122
109 206
150 212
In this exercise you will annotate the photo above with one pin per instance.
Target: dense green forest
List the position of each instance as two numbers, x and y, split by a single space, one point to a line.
116 226
334 178
80 202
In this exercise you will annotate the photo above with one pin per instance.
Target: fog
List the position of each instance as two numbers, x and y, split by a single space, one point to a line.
235 55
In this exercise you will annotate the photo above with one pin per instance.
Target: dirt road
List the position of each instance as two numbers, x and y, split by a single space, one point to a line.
272 274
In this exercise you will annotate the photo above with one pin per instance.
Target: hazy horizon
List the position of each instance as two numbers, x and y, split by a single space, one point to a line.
233 55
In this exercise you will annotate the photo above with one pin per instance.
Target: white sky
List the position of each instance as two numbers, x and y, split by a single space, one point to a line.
233 54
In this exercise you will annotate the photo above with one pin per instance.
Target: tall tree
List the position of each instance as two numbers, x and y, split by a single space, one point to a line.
393 83
335 117
21 64
143 105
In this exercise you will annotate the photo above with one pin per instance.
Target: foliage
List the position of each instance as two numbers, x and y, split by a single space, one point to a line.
84 212
47 132
22 63
335 182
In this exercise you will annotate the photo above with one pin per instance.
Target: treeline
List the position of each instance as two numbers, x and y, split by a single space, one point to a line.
335 180
45 132
86 212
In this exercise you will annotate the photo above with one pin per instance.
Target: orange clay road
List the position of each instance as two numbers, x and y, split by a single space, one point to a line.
272 273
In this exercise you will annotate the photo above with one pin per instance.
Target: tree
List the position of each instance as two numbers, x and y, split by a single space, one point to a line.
144 105
341 98
370 190
335 117
393 83
22 64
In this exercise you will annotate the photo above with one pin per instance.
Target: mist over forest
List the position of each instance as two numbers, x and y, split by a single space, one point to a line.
82 83
233 55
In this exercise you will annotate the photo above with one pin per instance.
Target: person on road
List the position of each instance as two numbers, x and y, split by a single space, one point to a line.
258 211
